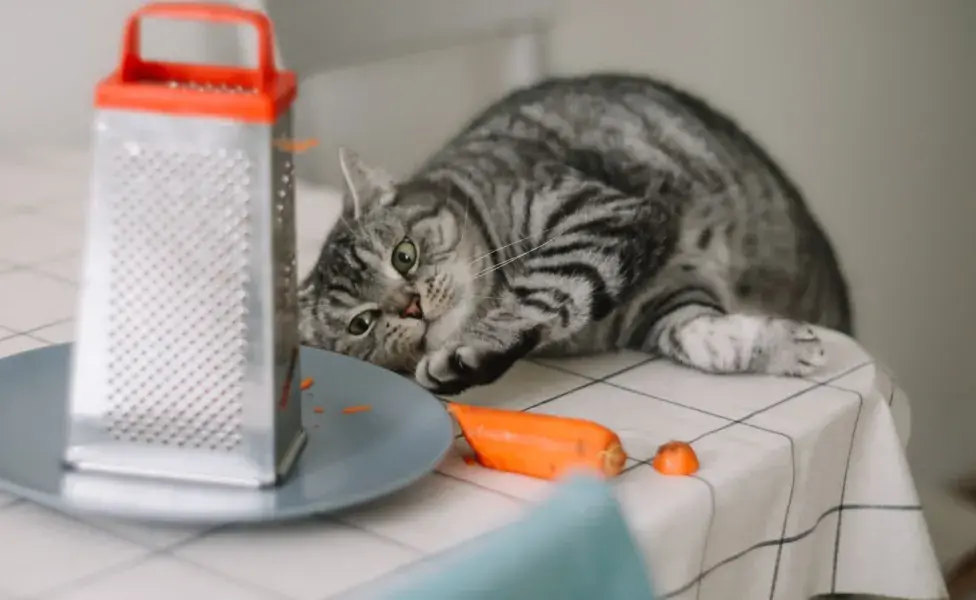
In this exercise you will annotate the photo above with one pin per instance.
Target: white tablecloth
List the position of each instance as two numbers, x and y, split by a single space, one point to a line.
803 488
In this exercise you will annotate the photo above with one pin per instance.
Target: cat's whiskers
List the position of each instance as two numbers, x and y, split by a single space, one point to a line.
513 259
497 250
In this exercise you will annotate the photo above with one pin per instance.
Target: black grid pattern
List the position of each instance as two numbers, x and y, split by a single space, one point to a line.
744 421
784 539
841 507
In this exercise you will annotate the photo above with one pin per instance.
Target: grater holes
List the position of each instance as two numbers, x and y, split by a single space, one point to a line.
168 349
213 87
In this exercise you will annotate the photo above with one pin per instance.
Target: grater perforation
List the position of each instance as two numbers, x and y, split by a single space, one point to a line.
178 278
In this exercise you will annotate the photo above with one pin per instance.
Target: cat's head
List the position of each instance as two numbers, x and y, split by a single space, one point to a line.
396 274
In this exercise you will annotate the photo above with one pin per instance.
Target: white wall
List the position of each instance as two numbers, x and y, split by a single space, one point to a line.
869 104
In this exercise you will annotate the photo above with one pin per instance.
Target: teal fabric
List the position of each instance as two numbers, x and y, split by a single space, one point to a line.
575 546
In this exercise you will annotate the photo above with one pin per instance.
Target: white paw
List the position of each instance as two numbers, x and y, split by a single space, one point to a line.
793 349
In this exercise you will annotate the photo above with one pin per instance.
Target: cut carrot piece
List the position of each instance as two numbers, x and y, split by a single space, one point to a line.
676 458
318 410
357 409
543 446
307 383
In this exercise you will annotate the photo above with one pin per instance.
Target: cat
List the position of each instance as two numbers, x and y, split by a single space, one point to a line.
575 216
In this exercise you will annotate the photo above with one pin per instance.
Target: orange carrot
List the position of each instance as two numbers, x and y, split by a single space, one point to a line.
307 383
543 446
318 410
357 409
676 458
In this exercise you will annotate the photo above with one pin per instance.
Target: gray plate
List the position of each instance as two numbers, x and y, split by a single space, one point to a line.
349 459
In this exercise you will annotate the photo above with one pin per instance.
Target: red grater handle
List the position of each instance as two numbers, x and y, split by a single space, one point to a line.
206 12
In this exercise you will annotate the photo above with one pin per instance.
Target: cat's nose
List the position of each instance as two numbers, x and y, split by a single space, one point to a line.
412 309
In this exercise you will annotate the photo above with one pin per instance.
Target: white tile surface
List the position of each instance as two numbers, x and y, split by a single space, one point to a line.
44 550
29 239
18 344
31 300
642 423
58 333
5 333
525 385
155 537
303 560
67 268
414 517
27 184
599 366
163 578
732 396
72 210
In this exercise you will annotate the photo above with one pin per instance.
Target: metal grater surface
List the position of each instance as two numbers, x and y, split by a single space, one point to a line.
179 245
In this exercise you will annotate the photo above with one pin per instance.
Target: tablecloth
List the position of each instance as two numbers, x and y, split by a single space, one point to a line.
803 489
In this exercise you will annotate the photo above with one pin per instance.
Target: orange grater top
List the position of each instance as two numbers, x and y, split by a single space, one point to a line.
256 95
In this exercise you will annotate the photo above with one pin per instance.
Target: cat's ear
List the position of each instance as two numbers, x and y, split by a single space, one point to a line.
366 186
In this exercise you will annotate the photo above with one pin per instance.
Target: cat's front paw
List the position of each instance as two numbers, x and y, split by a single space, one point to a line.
796 349
451 370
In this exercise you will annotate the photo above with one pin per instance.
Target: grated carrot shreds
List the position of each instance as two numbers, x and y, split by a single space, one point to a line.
318 410
307 383
357 409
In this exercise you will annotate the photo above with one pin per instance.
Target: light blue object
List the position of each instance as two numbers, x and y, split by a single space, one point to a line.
349 459
575 546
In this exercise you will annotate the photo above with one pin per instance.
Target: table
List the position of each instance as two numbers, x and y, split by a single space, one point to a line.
803 489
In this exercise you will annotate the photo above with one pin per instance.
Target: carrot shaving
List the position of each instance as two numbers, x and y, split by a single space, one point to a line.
296 146
318 410
307 383
357 409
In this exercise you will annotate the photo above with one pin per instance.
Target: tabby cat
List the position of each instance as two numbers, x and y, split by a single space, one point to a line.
571 217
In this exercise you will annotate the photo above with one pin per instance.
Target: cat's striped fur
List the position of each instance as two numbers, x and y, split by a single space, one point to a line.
576 216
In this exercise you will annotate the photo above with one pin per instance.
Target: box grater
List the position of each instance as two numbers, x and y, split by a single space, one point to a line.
186 365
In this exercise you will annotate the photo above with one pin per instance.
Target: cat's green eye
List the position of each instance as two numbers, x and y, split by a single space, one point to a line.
404 256
363 322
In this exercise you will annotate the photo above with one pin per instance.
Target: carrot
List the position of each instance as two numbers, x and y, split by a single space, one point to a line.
676 458
318 410
307 383
357 409
543 446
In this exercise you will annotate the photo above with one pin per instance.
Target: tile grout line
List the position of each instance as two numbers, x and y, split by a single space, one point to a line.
402 545
224 576
33 330
798 537
784 537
